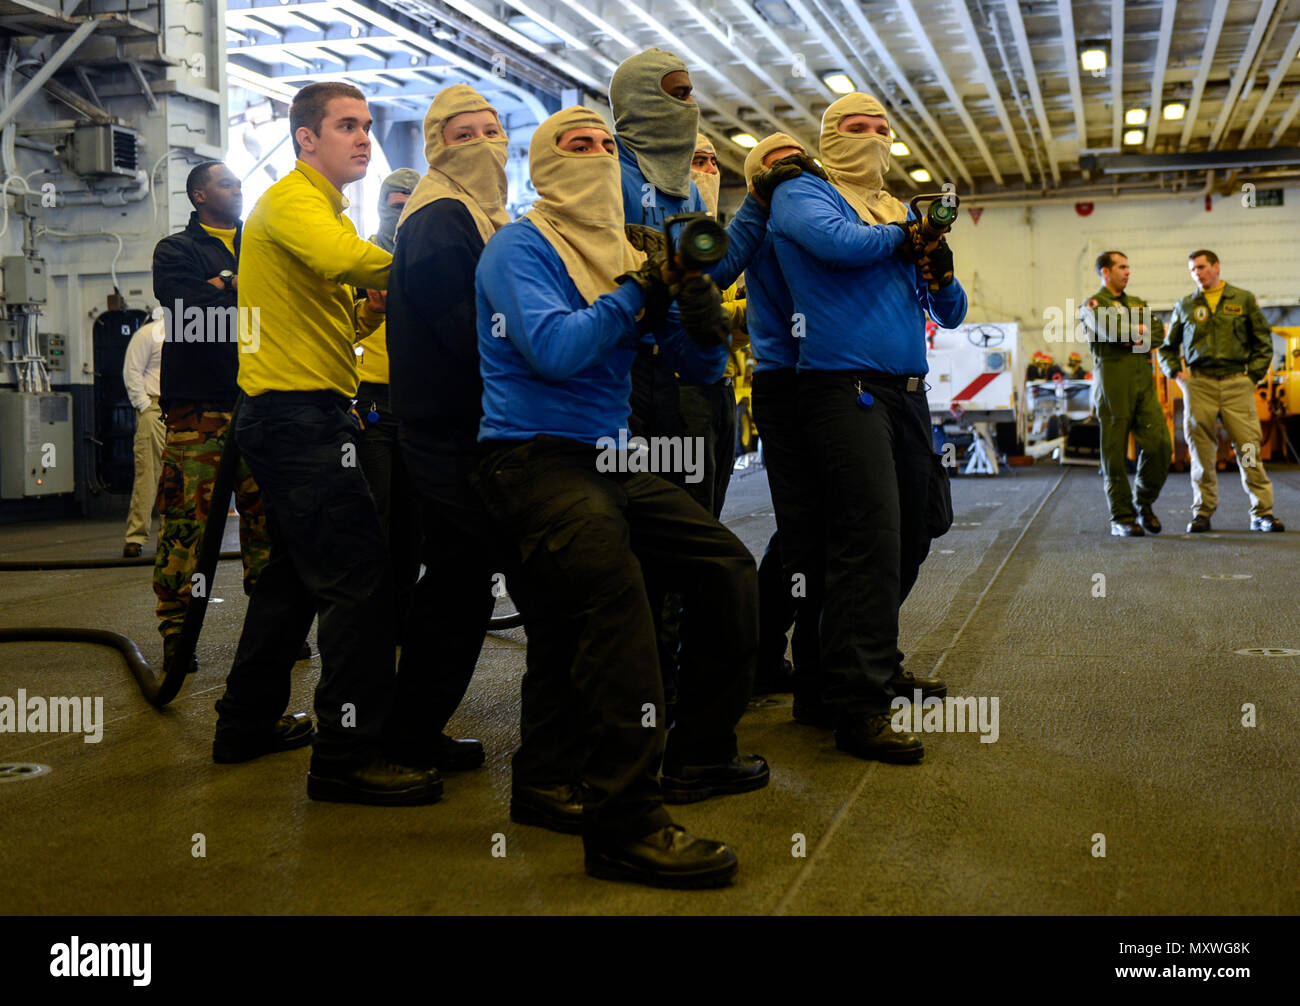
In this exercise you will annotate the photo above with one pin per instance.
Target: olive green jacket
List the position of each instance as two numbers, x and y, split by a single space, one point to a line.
1112 327
1234 339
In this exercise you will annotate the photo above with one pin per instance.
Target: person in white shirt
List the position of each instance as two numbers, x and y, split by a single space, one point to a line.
140 373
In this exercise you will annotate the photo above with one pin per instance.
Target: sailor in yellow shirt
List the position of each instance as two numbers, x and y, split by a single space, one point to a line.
301 266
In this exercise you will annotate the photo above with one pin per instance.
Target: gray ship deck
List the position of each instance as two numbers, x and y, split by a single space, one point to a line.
1119 715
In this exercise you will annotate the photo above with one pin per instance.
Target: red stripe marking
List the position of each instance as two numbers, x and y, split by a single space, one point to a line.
975 386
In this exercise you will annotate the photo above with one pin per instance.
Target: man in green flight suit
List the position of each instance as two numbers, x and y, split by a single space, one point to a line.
1227 344
1123 331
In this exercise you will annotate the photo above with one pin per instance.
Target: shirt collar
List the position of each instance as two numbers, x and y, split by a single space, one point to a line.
336 198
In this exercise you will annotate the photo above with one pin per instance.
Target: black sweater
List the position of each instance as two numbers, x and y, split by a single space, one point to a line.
434 380
196 371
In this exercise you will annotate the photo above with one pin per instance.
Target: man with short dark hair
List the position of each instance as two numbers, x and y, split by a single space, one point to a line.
1219 347
195 277
304 266
1123 331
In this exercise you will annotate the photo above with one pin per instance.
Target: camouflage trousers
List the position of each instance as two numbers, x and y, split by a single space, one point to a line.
196 436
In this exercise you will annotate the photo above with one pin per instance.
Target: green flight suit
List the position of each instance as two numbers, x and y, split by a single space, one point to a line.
1228 351
1125 396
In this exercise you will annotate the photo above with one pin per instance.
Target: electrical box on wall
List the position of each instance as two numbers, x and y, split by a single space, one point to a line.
55 350
105 150
36 444
24 280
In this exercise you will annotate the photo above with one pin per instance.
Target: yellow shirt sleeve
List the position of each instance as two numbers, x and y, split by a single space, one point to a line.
303 224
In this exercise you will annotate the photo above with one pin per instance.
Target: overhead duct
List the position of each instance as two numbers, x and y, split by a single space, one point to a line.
1210 160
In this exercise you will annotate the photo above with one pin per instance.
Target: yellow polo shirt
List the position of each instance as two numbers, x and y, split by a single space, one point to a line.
1212 297
372 364
300 265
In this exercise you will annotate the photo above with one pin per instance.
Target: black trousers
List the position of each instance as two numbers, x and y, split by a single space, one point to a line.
329 561
874 467
655 409
791 574
452 603
778 610
390 485
584 539
709 412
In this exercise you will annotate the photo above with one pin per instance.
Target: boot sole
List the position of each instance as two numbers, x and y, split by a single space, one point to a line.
336 791
522 814
605 870
677 793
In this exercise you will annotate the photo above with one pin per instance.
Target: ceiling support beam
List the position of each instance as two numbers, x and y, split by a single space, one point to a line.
985 74
1065 10
1262 21
1203 73
1274 82
1117 71
1012 8
922 38
1156 107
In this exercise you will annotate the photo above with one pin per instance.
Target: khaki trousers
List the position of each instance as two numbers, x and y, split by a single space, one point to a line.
150 435
1232 398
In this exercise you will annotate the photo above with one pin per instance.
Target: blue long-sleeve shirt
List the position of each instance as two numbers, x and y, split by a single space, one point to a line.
769 311
645 205
551 363
862 306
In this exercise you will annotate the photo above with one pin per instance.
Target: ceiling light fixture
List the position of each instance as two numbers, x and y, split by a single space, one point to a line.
838 81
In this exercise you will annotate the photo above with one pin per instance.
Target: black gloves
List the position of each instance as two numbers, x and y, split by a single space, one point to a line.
703 316
766 181
936 267
649 277
913 246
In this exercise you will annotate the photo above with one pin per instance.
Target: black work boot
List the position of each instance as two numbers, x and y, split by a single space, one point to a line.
669 857
874 738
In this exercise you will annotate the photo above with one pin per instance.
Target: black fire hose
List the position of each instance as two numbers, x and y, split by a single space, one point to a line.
158 690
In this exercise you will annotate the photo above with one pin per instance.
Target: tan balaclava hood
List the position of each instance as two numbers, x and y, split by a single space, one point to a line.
580 209
657 128
857 162
708 184
757 154
473 173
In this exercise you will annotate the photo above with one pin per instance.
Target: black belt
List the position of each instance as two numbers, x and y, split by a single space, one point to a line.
903 382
